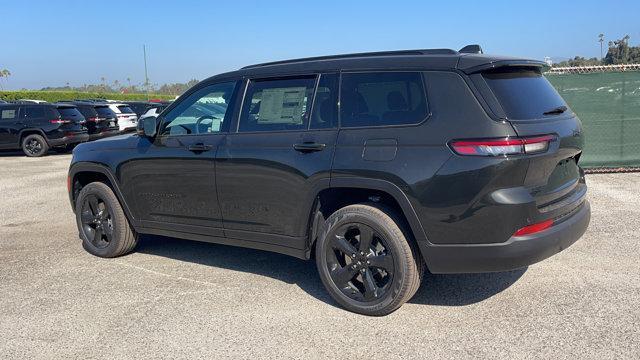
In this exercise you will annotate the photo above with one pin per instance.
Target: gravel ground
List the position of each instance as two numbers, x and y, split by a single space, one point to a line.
181 299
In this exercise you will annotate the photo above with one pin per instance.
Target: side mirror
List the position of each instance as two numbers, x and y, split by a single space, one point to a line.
148 126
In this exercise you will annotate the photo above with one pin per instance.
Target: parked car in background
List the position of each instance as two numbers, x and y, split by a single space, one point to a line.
33 101
154 110
127 118
101 121
35 128
377 165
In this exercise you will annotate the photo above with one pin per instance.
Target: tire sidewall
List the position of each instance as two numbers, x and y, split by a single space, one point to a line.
38 138
335 221
104 194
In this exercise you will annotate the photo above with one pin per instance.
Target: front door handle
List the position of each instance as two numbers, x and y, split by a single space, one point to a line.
307 147
198 148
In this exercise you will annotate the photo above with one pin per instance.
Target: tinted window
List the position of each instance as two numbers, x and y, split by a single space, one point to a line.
69 112
523 93
125 109
325 106
34 112
87 111
382 98
105 112
205 111
274 105
8 112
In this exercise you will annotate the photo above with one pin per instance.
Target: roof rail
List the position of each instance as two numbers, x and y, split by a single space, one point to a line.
355 55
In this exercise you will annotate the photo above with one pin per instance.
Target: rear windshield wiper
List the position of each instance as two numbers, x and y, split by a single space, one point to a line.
556 111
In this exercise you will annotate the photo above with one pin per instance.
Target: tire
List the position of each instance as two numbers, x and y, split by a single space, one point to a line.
373 280
102 224
34 145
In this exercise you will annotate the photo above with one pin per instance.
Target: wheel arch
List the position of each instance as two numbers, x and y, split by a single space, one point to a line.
360 190
31 131
82 173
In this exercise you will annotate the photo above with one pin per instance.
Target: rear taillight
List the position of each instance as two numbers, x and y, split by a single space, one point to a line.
92 119
60 121
502 147
532 229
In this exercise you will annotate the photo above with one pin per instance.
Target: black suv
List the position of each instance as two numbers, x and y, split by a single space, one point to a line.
35 128
101 121
377 165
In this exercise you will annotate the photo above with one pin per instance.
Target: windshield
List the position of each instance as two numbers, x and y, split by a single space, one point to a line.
524 93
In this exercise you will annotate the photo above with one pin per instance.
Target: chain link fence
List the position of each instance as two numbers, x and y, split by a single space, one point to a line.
607 100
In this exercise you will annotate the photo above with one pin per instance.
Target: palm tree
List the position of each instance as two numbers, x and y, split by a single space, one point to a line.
601 40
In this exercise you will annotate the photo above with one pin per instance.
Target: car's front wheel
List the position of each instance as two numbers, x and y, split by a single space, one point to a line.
366 261
103 226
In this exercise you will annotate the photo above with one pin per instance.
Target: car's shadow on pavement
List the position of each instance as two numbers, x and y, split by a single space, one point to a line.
443 290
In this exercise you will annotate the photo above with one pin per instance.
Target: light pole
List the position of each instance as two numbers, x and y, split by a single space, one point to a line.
146 76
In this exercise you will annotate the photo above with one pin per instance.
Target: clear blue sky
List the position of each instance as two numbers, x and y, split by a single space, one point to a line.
49 43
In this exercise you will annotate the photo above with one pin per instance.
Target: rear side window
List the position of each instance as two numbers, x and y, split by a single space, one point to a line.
34 112
104 111
382 98
277 105
325 106
69 112
125 109
523 92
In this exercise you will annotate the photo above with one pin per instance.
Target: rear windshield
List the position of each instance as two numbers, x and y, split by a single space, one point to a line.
523 92
69 112
104 111
125 109
87 111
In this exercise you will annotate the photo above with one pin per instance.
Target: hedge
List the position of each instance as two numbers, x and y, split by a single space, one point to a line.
53 96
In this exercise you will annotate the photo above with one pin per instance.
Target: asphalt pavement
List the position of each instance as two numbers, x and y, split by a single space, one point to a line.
182 299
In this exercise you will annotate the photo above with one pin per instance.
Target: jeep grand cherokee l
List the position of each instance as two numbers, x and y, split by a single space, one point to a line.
36 127
376 165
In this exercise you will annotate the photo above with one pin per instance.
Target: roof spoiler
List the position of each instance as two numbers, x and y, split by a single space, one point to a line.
471 49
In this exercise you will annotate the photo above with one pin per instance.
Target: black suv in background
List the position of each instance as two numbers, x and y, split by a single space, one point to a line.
101 121
35 128
377 165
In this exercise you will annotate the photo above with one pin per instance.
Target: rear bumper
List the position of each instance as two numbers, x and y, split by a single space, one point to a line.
517 252
69 139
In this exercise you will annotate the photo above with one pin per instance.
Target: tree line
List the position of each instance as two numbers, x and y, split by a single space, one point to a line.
619 52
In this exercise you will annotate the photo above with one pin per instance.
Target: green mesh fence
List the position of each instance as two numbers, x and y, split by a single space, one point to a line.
608 103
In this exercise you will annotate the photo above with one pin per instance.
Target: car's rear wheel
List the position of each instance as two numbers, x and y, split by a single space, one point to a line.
366 261
103 226
34 145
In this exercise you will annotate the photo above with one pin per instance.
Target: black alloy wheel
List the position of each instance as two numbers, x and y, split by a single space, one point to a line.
360 262
97 221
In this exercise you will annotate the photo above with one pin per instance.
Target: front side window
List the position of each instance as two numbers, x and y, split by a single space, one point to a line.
205 111
382 98
8 112
277 105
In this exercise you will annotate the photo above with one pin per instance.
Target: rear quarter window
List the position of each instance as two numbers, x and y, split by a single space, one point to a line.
382 98
523 93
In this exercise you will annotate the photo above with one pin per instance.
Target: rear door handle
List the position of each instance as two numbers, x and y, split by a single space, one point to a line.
309 147
197 148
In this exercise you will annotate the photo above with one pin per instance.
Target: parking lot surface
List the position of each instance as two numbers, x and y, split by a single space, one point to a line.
181 299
